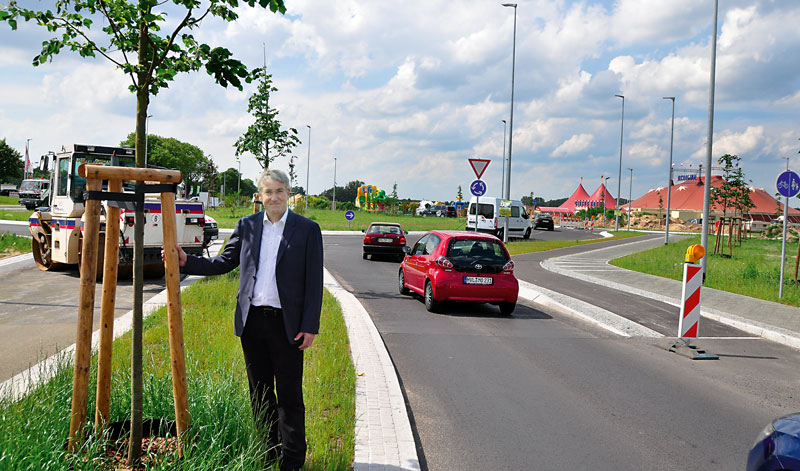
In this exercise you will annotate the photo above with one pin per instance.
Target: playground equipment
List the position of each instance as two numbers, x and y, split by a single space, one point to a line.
370 198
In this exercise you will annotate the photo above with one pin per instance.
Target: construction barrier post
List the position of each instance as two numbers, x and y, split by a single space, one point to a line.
689 320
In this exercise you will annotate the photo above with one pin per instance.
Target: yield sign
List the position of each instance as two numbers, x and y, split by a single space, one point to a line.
479 166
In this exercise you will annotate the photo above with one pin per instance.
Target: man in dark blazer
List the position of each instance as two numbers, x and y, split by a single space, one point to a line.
277 309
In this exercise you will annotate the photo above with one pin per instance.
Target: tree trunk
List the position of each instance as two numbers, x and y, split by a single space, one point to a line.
142 101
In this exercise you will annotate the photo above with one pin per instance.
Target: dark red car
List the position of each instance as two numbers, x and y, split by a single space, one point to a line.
460 266
384 238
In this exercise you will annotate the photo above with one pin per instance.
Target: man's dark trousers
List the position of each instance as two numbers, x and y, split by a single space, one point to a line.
267 355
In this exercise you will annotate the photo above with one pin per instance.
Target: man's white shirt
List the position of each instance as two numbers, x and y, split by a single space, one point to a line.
265 290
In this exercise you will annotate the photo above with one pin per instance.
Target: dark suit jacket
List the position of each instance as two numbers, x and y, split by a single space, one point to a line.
298 272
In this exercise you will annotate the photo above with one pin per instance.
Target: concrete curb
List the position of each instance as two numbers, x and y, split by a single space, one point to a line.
384 440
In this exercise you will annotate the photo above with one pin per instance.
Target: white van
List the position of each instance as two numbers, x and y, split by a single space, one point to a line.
486 210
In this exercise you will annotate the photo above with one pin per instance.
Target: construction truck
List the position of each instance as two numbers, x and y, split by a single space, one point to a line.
33 192
57 226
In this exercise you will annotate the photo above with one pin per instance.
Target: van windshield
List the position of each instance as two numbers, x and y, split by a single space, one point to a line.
485 210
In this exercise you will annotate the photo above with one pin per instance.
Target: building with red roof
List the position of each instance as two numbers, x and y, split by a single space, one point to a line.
687 202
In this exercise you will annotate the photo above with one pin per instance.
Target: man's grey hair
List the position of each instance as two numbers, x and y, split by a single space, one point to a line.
273 174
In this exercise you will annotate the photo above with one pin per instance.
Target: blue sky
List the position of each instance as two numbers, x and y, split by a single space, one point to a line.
406 92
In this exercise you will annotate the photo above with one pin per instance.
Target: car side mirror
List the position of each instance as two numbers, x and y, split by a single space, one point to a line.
406 232
406 249
363 230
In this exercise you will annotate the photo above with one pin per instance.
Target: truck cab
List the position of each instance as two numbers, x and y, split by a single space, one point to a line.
34 192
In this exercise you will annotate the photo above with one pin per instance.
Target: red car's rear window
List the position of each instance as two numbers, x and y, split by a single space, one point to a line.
384 229
477 248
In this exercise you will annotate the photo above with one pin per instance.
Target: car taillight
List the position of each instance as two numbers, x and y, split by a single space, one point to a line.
366 239
444 263
402 240
495 223
509 266
129 221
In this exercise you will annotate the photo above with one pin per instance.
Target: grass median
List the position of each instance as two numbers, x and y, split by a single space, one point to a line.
33 430
517 246
753 270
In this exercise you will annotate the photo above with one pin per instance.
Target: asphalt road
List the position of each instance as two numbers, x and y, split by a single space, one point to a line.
39 312
544 391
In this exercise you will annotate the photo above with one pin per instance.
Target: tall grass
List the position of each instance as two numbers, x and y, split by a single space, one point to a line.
754 269
33 431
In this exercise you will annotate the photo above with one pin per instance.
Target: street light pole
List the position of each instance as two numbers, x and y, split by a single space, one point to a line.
308 164
619 175
333 207
239 184
669 180
630 194
503 178
709 142
507 188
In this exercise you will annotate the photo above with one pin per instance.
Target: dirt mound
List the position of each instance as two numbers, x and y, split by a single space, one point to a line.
651 222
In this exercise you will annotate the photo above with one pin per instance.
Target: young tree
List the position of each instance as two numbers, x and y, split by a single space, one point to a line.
11 164
264 138
137 38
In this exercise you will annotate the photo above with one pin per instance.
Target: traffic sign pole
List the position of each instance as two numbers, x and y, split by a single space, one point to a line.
788 186
477 187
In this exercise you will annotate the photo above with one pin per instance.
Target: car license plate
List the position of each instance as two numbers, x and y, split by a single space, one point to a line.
478 280
384 240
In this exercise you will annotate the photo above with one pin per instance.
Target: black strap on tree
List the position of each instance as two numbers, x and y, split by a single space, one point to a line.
130 201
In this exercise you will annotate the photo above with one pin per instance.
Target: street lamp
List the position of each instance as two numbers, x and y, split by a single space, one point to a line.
239 184
619 175
308 164
333 206
709 141
669 180
503 178
630 195
507 188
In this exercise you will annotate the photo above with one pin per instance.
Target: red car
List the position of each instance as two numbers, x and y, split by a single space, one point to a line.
460 266
384 238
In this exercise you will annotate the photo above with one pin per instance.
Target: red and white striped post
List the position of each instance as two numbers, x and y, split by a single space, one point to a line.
689 322
690 301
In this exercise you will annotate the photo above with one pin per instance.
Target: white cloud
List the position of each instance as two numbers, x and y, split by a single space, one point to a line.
573 145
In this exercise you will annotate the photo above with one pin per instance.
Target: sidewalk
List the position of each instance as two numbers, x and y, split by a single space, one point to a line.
770 320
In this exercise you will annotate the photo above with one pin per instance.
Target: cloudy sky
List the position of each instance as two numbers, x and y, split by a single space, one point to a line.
406 92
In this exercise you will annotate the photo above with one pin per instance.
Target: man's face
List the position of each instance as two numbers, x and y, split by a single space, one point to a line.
274 195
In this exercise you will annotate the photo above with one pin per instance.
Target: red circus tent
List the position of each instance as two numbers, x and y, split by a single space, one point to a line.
597 196
571 205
